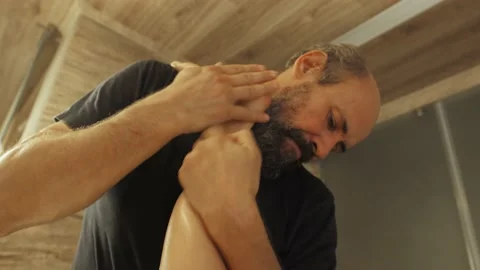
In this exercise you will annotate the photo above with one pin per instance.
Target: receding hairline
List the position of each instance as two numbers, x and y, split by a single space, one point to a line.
342 60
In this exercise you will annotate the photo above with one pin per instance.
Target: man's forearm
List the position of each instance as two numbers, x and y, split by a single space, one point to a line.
54 175
238 231
237 228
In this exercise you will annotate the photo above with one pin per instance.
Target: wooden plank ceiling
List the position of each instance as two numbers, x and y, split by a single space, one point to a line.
414 55
422 51
435 45
205 31
432 46
267 31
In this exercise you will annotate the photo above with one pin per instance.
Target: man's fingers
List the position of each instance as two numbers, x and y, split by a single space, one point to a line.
245 93
241 113
235 69
182 65
250 78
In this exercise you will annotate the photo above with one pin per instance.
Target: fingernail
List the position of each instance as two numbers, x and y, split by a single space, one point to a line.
266 117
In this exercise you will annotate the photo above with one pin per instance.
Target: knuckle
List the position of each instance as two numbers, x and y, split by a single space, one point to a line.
236 69
210 72
212 68
220 79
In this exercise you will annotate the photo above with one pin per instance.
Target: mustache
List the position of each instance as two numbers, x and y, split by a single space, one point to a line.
307 148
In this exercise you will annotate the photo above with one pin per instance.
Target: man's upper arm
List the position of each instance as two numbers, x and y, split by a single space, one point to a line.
313 242
118 92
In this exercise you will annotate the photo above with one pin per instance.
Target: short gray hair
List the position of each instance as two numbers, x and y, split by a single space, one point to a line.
343 59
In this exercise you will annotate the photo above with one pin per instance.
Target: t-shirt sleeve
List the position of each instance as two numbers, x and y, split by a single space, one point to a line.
119 91
313 242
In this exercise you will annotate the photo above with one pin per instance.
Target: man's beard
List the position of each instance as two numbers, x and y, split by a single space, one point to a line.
271 138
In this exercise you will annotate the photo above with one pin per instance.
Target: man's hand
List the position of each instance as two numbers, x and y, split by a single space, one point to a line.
224 169
206 96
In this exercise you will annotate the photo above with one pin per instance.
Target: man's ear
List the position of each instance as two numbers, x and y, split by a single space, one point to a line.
311 63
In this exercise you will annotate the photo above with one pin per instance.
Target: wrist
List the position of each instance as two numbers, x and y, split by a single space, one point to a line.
149 119
174 111
237 211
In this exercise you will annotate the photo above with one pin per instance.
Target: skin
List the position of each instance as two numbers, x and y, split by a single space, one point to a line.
35 190
199 226
355 101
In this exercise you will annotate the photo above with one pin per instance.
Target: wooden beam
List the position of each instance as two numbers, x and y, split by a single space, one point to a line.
19 33
77 70
433 46
106 21
440 90
46 50
385 21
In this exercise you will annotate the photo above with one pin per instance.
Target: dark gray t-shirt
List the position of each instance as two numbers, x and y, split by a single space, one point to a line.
125 228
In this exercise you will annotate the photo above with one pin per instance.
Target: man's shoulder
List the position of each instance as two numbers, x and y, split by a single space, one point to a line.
158 73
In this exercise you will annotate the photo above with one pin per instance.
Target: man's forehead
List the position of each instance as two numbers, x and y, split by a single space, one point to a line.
360 111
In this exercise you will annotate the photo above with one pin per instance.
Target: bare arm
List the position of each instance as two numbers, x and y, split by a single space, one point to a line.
236 226
59 171
238 231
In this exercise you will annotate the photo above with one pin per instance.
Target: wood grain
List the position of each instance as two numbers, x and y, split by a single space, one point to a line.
172 24
43 247
90 55
435 45
80 70
317 22
456 84
238 30
432 56
20 31
45 52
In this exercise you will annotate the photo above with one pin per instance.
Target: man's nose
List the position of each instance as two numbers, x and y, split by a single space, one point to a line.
325 143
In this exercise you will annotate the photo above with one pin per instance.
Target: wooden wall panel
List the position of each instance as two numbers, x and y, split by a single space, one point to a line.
94 53
91 55
19 34
435 45
46 49
18 39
